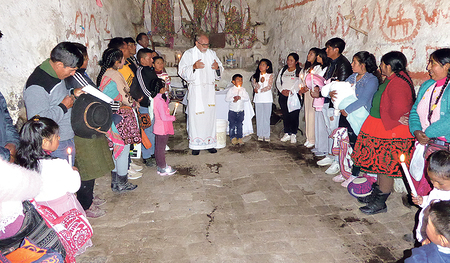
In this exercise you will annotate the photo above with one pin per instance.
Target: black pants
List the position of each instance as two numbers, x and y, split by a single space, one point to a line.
85 194
352 138
290 119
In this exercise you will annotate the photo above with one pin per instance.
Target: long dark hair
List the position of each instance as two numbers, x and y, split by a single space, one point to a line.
309 65
32 135
442 56
258 72
398 62
369 61
297 66
155 86
109 58
323 55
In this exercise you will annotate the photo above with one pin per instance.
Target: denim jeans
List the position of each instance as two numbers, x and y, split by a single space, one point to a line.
235 119
147 153
61 152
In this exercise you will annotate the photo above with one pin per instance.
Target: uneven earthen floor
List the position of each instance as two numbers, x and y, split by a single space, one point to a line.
260 202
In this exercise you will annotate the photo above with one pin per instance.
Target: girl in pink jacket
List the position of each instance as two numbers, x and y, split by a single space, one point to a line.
162 126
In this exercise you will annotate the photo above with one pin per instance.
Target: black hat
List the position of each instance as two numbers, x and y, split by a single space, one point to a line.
90 116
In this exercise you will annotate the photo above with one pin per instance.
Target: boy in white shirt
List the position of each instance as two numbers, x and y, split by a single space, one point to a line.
236 95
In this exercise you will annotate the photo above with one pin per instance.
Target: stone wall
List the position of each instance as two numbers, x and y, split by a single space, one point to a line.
414 27
32 28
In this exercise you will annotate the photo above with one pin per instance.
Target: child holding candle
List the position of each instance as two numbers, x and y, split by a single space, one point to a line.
236 96
262 82
439 173
163 125
39 137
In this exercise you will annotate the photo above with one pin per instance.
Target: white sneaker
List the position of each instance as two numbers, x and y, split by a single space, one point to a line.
286 137
293 138
325 161
309 145
133 174
333 169
136 167
267 139
306 143
167 148
260 138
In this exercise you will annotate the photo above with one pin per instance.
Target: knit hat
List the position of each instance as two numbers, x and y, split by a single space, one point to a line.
360 187
17 184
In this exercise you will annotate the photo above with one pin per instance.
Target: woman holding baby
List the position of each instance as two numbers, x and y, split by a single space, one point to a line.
385 134
365 79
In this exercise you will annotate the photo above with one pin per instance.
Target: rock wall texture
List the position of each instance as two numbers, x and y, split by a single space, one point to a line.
414 27
270 29
32 28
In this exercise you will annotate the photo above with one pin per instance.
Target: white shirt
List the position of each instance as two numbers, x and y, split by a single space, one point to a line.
434 195
264 96
238 105
290 81
58 179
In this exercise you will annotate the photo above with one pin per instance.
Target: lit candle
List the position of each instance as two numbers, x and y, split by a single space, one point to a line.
175 110
312 80
179 57
407 175
69 157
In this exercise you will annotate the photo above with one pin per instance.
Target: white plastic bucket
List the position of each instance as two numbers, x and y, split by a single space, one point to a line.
221 133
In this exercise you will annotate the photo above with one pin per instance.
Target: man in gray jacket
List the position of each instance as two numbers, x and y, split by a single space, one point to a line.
46 94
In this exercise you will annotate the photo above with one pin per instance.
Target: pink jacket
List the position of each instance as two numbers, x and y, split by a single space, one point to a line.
163 120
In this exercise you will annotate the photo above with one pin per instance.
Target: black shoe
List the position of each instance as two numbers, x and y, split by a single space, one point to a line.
378 205
150 162
212 150
114 179
371 197
123 185
195 152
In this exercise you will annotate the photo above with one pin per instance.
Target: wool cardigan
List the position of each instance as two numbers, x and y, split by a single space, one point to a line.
438 128
396 101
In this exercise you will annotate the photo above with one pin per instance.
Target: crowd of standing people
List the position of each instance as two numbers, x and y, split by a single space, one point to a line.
359 117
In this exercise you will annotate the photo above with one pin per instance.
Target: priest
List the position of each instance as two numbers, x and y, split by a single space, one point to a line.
200 68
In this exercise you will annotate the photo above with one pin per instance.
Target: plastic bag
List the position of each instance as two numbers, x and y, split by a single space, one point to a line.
293 102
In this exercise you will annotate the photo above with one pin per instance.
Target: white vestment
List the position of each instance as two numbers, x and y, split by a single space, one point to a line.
201 97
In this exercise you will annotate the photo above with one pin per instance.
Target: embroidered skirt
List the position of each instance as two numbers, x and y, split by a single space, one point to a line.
378 150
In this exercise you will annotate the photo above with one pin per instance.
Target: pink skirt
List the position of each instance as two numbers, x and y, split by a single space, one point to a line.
63 204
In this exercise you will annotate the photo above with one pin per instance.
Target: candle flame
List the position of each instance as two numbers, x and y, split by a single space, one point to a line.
402 158
69 150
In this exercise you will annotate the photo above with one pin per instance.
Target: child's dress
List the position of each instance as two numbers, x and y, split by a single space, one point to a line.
263 104
435 195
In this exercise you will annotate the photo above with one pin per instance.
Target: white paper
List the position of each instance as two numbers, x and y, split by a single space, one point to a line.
97 93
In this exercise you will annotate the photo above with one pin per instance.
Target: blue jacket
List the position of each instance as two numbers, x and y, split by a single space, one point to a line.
8 133
438 128
428 254
365 88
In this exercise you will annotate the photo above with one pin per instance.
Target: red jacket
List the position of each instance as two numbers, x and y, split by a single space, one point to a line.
396 101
